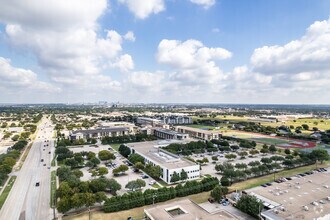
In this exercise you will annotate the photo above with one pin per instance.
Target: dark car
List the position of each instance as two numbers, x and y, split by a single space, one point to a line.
42 160
210 200
263 185
37 184
269 184
49 152
288 178
145 177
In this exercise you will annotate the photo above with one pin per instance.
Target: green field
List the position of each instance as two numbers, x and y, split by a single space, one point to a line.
201 126
115 146
52 188
6 191
255 137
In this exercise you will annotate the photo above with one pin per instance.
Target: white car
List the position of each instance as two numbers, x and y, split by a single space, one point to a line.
152 182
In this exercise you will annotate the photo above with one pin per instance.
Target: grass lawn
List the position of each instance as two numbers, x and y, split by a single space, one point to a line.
6 191
250 183
136 213
52 188
156 186
324 125
53 163
115 146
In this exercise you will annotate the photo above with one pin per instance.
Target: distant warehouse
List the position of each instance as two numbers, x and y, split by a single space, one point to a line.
198 133
169 163
100 132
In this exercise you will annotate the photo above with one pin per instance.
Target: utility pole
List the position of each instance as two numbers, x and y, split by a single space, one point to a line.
153 199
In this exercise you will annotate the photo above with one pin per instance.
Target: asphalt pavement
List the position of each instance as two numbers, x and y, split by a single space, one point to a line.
26 201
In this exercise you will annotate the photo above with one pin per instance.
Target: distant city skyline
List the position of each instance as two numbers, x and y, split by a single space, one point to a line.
158 51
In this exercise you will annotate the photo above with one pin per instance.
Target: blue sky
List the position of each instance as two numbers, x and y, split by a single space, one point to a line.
181 51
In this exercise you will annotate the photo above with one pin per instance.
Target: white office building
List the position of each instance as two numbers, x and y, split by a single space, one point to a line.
168 162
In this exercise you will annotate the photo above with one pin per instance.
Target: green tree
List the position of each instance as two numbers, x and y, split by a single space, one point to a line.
287 151
272 149
135 184
305 126
113 186
175 177
138 166
250 205
183 175
106 155
219 192
102 171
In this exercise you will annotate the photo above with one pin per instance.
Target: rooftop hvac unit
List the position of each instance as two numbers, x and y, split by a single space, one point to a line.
276 211
306 208
286 191
322 201
326 186
310 181
282 209
328 198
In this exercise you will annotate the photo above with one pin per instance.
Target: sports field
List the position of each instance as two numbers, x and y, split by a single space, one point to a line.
266 139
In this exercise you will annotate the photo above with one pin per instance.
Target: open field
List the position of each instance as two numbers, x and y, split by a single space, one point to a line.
136 213
322 124
115 146
6 191
266 139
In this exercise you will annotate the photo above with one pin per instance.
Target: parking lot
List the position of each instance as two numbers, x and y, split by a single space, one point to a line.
122 179
208 168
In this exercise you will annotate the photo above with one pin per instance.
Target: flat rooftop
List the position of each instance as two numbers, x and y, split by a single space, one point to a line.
191 211
167 131
197 130
152 150
293 195
101 129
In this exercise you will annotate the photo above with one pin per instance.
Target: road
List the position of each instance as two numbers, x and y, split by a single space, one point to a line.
26 201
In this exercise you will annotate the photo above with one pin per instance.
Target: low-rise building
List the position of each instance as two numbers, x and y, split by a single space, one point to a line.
169 134
303 197
98 133
169 163
186 210
198 133
177 120
147 121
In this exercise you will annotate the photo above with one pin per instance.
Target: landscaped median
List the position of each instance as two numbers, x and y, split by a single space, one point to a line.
53 189
6 191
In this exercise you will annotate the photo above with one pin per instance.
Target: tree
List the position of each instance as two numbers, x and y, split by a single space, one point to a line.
134 158
135 184
266 160
215 158
106 155
78 173
219 192
124 150
241 166
64 190
183 175
175 177
319 154
287 151
230 156
250 205
153 171
225 181
242 154
123 168
138 166
272 149
205 160
102 171
264 150
113 186
305 126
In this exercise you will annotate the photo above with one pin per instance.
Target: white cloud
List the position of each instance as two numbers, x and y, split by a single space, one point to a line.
65 40
144 8
124 63
188 54
13 78
129 36
205 3
310 53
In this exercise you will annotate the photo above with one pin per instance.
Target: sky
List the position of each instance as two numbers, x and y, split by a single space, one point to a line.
165 51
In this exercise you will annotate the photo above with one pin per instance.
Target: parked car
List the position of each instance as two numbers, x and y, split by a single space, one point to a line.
145 176
152 182
37 184
211 200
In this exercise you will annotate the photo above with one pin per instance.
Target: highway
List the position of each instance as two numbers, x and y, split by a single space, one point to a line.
26 201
